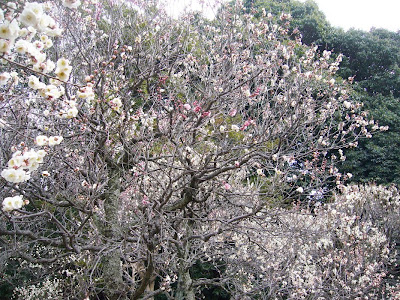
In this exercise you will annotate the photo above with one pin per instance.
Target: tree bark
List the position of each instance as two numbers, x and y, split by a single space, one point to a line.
185 289
112 268
185 283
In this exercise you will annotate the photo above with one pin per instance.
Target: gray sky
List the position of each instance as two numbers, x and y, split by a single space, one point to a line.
360 14
176 7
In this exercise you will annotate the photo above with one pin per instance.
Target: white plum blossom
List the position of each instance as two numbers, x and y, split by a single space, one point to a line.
347 104
86 93
31 14
45 22
15 176
63 69
73 4
22 164
50 65
72 112
5 46
31 160
42 140
15 162
62 63
116 104
55 140
34 83
4 77
50 92
37 56
21 46
41 153
48 44
63 74
9 30
54 32
235 128
11 203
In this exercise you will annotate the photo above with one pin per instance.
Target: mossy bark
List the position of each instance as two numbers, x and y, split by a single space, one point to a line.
185 289
112 268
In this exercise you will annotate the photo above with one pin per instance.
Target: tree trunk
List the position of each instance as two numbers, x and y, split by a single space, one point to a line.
185 289
150 288
112 268
112 276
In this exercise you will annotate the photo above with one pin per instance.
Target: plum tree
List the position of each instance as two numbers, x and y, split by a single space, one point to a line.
135 145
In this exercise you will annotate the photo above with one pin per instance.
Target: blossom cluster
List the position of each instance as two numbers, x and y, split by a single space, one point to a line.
25 34
341 250
22 164
24 41
86 92
53 90
116 104
33 19
73 4
11 203
63 70
49 92
47 289
43 140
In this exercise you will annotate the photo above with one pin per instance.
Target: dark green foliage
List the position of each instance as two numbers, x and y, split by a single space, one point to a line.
5 289
372 57
14 274
208 271
307 18
378 159
204 270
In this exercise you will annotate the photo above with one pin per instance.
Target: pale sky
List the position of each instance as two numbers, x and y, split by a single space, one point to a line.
360 14
209 7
